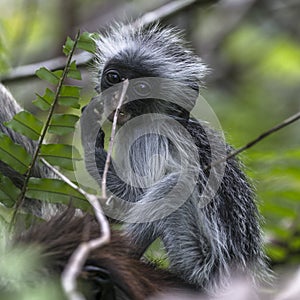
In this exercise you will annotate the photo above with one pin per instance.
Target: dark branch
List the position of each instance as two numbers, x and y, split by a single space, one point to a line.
28 71
261 137
54 64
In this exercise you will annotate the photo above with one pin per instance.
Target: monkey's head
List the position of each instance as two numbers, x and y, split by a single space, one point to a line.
164 74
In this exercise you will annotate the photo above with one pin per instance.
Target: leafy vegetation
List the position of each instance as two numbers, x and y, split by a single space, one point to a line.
12 273
61 155
254 85
262 93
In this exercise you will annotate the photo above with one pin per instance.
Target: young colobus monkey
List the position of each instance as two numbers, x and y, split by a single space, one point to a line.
206 219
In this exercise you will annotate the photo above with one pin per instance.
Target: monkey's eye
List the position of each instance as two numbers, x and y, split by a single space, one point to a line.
112 77
142 88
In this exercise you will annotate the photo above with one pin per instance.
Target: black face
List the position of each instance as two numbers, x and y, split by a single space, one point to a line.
141 88
117 71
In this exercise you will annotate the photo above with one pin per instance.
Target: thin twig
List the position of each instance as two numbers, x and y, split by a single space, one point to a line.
164 11
21 197
112 138
79 256
57 63
261 137
82 59
65 179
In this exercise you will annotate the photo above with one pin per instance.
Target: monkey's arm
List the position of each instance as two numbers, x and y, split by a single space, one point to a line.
95 160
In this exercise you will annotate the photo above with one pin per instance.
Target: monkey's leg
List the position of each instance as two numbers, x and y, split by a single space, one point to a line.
160 194
195 245
192 251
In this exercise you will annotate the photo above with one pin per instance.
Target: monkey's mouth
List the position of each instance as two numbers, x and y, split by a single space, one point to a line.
122 117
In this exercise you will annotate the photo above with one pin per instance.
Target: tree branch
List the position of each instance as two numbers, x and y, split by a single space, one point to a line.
79 256
28 71
112 138
261 137
165 11
21 197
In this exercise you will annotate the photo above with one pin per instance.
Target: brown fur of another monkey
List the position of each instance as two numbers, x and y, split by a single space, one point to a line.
109 272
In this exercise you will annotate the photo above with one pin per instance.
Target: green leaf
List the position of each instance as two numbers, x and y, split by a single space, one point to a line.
55 191
52 77
26 123
13 154
6 214
276 253
73 72
86 42
68 46
60 155
69 96
62 124
8 191
295 244
44 102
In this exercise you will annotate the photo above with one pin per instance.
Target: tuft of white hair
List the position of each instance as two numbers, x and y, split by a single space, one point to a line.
163 49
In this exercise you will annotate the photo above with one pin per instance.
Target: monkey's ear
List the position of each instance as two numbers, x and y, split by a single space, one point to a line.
96 283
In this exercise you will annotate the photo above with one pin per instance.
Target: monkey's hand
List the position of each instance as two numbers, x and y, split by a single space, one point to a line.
95 161
100 139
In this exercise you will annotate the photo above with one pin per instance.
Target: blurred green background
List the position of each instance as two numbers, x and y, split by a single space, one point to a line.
253 50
